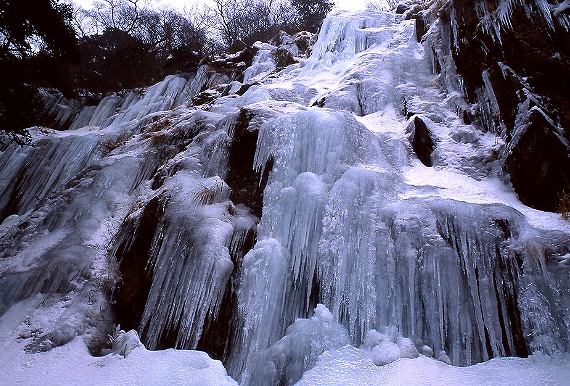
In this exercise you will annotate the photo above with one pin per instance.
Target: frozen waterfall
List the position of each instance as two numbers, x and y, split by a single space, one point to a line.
268 227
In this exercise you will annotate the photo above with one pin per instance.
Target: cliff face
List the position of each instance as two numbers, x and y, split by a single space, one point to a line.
513 58
267 211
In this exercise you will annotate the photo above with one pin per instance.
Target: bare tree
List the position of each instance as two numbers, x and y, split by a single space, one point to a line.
122 15
244 21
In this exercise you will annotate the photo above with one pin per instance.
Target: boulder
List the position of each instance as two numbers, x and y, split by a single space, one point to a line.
401 9
421 139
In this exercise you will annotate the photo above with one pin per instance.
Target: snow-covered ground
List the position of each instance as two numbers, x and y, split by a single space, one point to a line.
348 367
72 364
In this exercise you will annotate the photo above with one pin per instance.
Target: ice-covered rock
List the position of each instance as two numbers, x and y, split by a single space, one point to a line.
407 348
384 353
426 350
443 357
285 361
125 342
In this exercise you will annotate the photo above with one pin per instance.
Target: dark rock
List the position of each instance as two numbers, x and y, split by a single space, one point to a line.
133 255
467 118
401 8
528 59
503 225
301 42
230 66
244 88
205 97
529 48
305 41
283 57
421 140
319 102
246 184
539 164
421 27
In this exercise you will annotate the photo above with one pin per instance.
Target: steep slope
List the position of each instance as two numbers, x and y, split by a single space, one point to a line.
346 183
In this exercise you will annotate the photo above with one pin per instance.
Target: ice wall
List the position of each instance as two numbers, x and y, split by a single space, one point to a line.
337 225
117 109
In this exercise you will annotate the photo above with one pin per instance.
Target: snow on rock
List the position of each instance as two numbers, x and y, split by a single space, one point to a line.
387 347
125 342
384 353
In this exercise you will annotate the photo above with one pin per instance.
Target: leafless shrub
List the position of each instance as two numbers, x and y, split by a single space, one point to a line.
564 205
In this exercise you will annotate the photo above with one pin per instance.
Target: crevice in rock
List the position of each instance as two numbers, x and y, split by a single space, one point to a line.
246 184
132 255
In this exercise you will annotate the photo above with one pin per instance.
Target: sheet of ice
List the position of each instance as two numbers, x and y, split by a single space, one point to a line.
123 107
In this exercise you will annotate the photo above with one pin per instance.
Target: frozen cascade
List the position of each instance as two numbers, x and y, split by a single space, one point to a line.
203 271
448 274
59 160
115 109
295 218
285 360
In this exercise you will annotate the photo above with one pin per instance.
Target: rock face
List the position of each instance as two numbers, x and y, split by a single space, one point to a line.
512 55
421 140
539 163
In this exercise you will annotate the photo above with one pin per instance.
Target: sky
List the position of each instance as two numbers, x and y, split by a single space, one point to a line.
179 4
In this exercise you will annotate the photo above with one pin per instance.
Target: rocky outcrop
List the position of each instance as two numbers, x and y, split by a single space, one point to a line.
508 57
539 163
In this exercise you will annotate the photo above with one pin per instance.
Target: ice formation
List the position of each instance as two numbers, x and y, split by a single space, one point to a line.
286 222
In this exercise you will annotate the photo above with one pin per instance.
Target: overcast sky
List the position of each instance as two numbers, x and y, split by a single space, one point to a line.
345 4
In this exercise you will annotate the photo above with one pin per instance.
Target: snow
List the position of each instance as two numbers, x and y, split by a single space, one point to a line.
348 366
71 364
444 183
